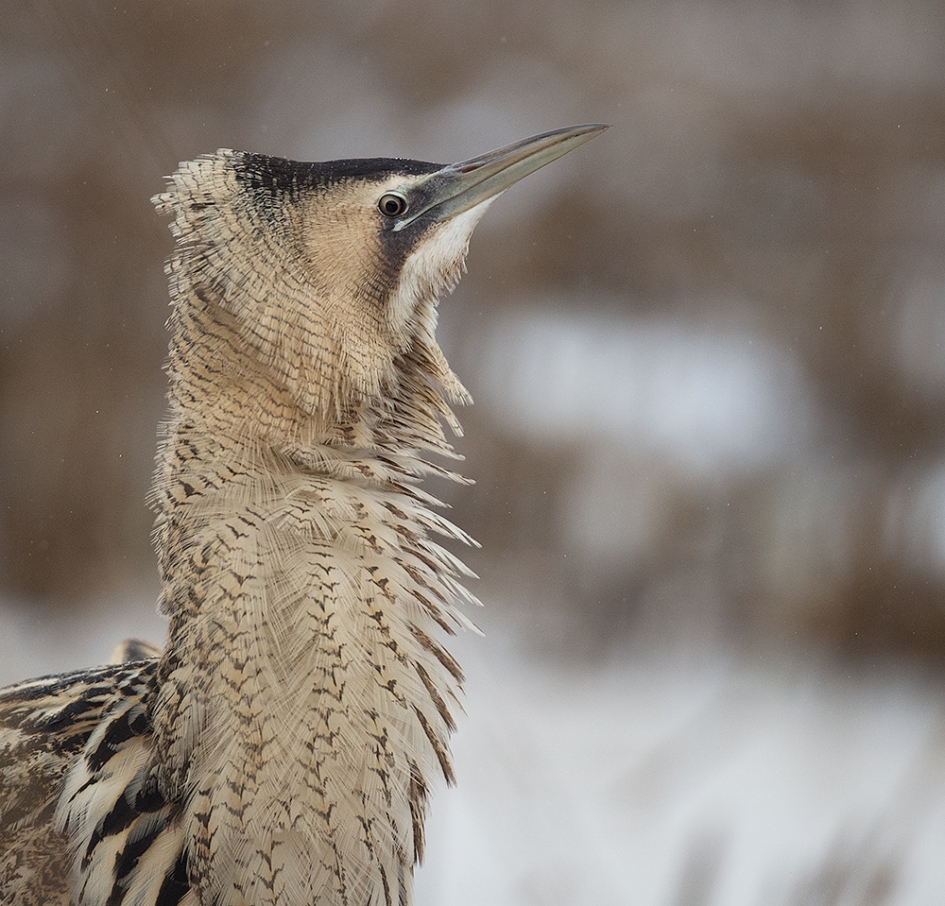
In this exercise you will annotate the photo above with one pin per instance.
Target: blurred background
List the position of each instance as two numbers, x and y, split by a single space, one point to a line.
709 445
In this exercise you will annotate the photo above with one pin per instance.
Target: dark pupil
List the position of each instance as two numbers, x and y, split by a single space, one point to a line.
392 205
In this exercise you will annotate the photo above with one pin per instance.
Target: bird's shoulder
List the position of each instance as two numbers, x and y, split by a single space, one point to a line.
55 714
45 724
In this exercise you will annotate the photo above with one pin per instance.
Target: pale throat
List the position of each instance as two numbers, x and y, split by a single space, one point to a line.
435 266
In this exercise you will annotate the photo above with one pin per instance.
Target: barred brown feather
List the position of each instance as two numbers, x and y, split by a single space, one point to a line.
45 725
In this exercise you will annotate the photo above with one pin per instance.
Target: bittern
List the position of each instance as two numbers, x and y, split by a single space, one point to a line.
280 747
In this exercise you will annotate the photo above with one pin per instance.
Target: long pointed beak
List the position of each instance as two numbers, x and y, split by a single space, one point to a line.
459 187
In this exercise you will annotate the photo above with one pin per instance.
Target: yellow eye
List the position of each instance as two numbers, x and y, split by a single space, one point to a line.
392 204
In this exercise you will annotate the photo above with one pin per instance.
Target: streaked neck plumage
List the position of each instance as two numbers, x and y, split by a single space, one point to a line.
304 704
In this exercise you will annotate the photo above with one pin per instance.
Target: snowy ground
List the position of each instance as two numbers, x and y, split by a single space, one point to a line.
671 781
662 778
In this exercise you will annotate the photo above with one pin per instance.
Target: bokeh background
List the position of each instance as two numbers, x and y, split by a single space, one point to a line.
708 357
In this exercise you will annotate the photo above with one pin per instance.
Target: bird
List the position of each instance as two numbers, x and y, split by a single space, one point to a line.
280 748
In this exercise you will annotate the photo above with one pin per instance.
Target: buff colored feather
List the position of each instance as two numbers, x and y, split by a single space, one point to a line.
281 746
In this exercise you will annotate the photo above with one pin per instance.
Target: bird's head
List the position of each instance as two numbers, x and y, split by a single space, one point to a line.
327 274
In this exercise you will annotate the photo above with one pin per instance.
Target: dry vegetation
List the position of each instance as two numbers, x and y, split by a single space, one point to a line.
775 174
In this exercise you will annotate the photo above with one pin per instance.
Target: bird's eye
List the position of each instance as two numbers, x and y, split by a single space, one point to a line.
393 204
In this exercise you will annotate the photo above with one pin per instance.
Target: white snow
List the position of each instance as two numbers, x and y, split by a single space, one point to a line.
668 780
716 399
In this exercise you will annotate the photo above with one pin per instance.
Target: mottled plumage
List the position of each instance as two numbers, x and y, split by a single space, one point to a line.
279 749
45 729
